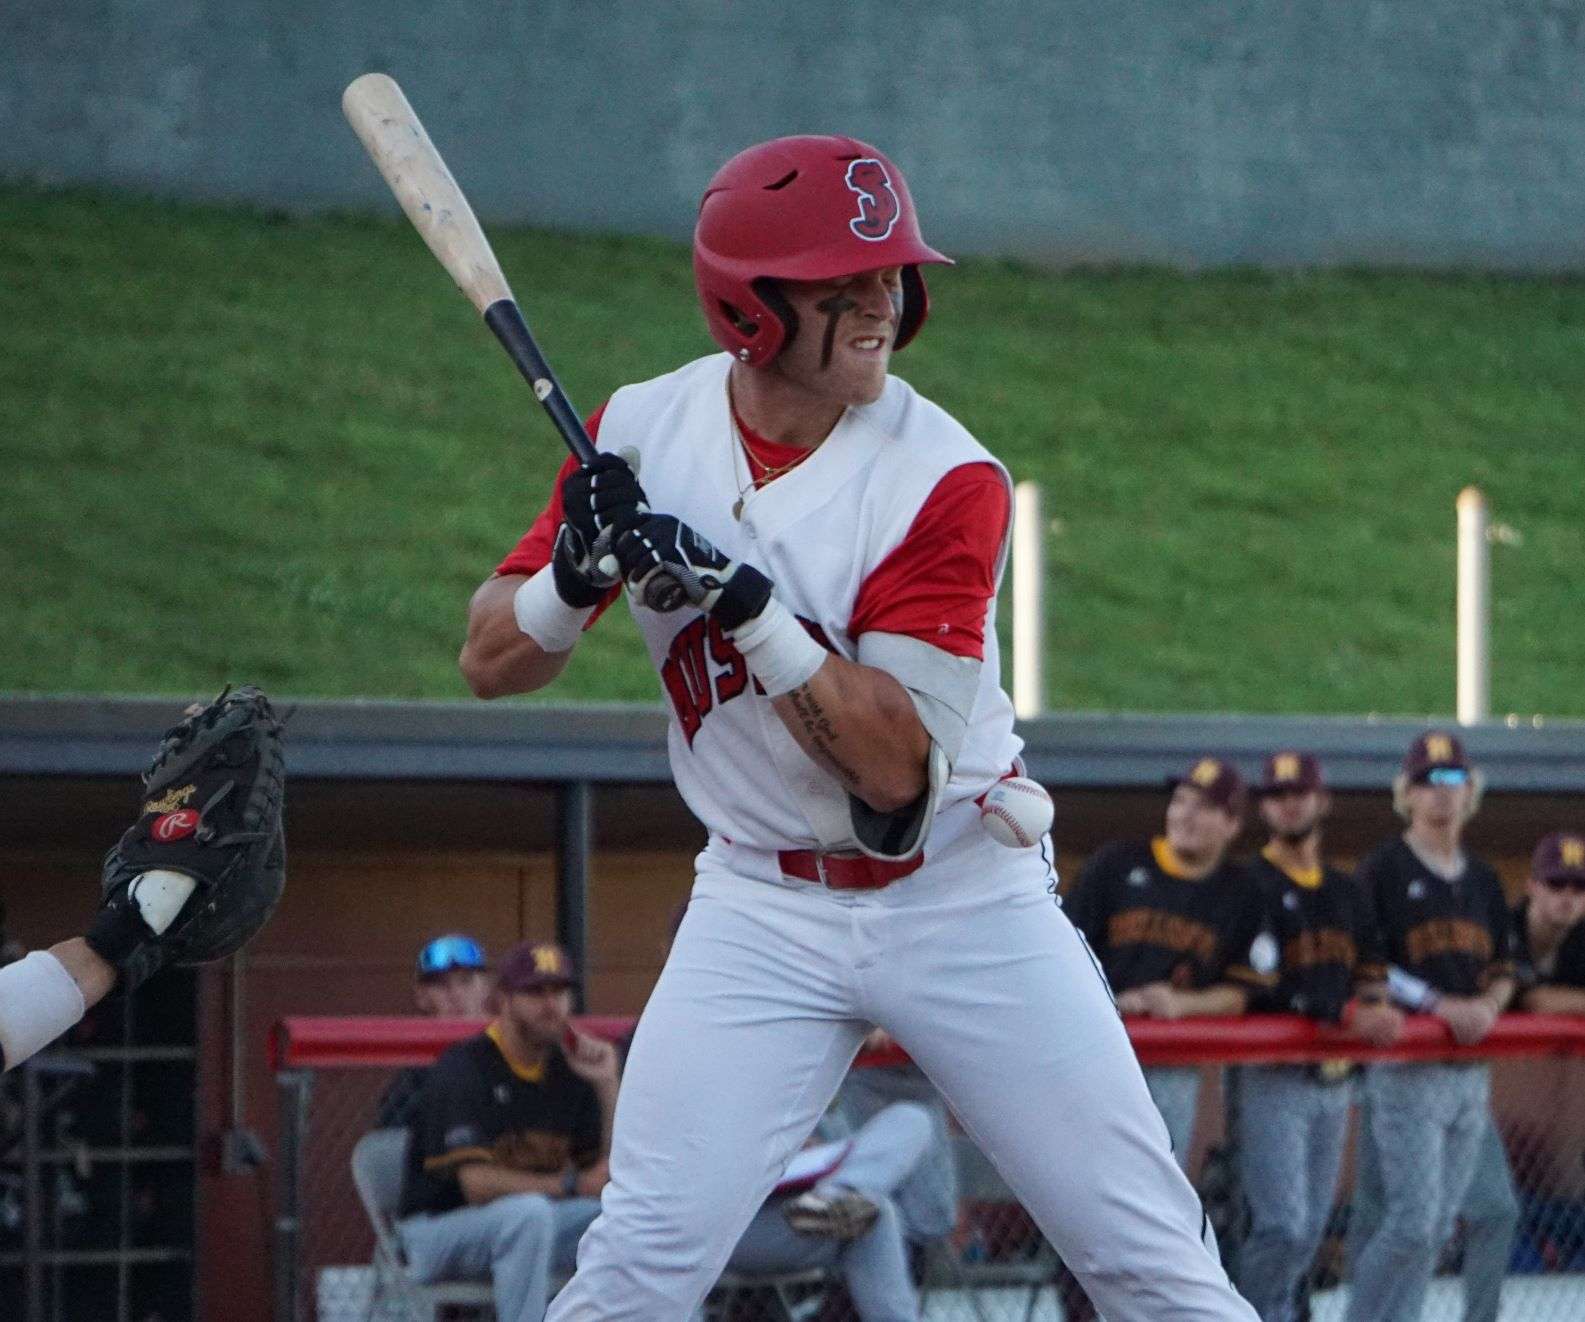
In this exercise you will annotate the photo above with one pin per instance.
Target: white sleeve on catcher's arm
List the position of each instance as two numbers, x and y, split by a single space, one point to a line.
39 1000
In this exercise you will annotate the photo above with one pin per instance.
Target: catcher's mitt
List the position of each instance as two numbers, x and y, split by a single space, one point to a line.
211 812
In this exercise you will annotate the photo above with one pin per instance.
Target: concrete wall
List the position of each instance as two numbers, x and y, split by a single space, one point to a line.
1423 132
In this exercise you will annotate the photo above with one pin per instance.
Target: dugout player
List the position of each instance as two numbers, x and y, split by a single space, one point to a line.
1549 926
835 710
1293 1119
1178 928
510 1142
451 980
1443 920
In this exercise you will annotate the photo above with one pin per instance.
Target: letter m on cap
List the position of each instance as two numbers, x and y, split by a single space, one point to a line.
546 959
1573 851
1286 766
1206 771
1439 748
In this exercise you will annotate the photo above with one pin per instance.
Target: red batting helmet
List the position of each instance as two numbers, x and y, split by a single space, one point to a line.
802 208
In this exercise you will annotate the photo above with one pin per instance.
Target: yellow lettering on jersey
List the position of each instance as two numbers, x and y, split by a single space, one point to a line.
1155 927
1447 936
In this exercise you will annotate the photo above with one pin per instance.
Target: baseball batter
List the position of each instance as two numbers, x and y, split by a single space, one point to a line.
835 711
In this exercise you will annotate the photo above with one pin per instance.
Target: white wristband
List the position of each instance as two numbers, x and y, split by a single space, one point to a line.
779 651
544 616
39 1000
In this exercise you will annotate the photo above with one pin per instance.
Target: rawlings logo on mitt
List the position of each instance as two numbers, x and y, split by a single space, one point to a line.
211 812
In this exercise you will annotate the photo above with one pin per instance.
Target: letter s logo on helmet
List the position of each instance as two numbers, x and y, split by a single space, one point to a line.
801 208
878 205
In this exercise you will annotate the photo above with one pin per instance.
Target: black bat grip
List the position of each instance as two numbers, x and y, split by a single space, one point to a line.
505 319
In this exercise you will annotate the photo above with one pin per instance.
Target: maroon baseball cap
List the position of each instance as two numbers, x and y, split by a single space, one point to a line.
1290 772
1436 750
535 965
1559 857
1219 781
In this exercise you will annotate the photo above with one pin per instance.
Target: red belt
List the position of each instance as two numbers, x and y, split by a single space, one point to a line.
845 872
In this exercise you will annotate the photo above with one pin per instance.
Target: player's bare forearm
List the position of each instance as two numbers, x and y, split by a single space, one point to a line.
485 1181
498 658
591 1181
1555 1000
860 725
93 976
1212 1002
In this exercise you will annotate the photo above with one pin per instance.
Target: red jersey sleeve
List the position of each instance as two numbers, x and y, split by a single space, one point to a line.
532 552
937 584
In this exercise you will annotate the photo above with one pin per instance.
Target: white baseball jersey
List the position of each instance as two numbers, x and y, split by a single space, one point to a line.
818 531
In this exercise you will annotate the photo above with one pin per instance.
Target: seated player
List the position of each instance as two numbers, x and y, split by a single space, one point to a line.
836 1206
451 981
510 1140
192 880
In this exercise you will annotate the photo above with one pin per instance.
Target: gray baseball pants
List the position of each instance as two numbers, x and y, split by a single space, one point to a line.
1175 1089
1424 1124
1490 1213
1292 1130
513 1242
887 1149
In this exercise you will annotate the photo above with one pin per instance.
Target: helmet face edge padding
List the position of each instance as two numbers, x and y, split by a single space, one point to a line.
801 208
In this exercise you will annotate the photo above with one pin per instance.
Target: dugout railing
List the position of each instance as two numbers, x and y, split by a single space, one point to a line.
331 1073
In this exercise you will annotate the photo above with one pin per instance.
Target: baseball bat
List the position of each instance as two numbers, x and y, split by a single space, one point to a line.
396 141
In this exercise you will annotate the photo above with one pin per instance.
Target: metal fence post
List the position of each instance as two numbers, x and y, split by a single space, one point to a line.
296 1088
573 846
1029 607
1474 609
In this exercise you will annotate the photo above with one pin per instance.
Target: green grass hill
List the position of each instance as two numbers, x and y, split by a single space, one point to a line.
245 446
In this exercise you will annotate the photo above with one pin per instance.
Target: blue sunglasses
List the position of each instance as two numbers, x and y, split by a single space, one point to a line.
445 953
1446 776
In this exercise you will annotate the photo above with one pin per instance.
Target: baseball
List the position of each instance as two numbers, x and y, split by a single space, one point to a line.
1016 813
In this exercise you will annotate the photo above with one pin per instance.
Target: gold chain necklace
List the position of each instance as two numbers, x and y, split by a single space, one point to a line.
771 471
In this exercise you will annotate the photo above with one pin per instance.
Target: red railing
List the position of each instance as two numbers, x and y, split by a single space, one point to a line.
307 1041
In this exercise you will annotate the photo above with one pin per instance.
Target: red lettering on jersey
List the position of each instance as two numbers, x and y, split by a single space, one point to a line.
691 685
734 679
681 700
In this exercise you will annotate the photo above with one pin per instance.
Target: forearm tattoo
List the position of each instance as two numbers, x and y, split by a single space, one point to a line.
819 730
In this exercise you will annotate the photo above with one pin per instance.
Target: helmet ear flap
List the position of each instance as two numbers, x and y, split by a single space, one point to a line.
770 294
916 303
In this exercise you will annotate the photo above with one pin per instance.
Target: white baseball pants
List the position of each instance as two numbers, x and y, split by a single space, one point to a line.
972 967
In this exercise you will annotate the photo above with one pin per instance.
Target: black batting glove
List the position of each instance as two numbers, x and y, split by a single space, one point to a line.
598 500
600 495
659 549
575 569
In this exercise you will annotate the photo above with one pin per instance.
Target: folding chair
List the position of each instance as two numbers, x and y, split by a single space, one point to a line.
774 1297
379 1161
1017 1254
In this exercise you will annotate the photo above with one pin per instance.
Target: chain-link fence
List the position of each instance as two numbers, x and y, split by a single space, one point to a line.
1518 1250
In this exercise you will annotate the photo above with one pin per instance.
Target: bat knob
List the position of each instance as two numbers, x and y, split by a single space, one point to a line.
664 594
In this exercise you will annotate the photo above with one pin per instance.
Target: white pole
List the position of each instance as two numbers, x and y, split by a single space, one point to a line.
1474 609
1029 611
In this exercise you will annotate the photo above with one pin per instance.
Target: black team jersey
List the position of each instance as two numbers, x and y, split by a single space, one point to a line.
1567 968
1326 936
1148 923
475 1105
1457 935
